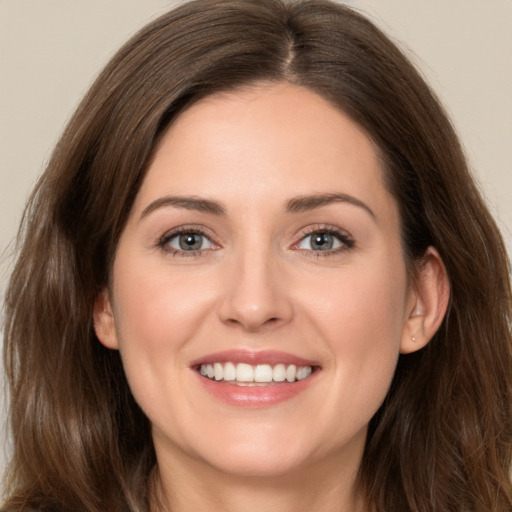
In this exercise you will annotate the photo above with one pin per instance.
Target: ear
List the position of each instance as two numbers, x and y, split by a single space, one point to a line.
428 301
104 321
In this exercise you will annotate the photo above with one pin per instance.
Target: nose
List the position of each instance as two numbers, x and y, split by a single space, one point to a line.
256 294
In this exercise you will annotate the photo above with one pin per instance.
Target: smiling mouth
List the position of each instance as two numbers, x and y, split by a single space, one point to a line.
243 374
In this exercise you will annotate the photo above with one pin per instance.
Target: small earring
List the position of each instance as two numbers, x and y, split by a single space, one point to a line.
413 339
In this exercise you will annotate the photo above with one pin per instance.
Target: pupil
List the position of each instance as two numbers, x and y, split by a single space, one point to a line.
322 241
190 242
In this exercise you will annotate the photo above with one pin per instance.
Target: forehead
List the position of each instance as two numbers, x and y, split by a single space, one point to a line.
262 143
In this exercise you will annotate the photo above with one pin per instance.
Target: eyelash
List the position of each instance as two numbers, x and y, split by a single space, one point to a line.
163 243
342 236
347 242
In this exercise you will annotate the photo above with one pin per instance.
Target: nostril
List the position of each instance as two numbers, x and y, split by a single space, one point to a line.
253 307
254 325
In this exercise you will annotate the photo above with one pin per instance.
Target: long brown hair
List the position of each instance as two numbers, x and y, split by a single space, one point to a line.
442 439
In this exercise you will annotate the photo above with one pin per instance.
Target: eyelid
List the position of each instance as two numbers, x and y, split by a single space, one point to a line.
163 241
343 236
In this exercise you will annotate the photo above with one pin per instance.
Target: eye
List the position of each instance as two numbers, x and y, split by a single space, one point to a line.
319 242
325 241
186 241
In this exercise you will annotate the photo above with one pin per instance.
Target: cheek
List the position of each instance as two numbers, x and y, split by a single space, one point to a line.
156 306
157 313
364 302
360 318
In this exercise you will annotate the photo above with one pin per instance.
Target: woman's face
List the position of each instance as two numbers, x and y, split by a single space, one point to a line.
263 246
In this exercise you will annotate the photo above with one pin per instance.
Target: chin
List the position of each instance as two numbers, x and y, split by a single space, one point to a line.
261 451
258 465
268 452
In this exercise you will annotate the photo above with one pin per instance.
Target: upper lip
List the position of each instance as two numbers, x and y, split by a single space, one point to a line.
271 357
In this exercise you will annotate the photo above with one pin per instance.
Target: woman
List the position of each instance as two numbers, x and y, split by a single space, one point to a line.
256 274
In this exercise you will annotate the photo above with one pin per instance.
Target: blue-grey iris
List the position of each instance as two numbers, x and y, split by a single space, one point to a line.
322 241
190 242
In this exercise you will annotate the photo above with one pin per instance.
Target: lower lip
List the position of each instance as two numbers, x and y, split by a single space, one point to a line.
256 396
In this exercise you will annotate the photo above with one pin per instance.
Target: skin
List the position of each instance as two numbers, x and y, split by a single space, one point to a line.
257 284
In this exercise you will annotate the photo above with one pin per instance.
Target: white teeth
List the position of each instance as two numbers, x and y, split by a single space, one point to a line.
279 373
229 371
261 373
218 371
291 371
244 372
303 372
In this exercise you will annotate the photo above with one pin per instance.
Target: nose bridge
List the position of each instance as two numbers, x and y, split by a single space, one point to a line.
256 294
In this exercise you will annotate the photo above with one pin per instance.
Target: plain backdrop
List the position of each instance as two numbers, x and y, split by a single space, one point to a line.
50 51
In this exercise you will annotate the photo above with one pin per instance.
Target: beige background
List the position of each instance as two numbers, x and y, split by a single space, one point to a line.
50 50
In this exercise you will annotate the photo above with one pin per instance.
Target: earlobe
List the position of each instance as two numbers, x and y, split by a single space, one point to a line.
430 295
104 322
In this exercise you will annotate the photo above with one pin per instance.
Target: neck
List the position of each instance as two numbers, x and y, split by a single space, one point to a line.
322 487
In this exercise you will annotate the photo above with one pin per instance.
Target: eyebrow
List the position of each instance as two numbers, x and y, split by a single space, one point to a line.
295 205
188 203
310 202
